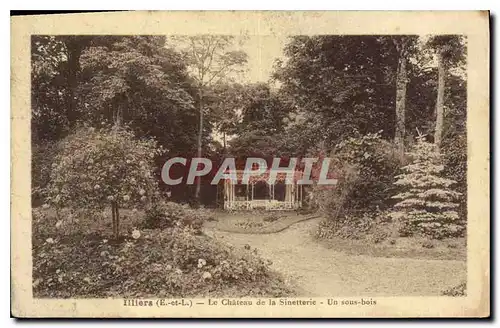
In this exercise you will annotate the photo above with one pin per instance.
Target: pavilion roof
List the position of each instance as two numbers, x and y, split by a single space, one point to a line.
280 176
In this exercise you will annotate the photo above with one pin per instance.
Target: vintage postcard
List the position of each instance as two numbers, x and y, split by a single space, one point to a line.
250 165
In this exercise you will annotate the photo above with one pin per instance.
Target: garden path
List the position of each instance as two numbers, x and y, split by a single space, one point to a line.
319 271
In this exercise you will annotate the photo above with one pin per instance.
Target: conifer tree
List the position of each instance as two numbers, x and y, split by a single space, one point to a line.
426 204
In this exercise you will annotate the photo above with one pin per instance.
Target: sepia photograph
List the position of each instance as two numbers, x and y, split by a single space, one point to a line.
235 169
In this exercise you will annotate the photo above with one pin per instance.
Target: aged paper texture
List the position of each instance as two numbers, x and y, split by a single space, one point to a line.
148 152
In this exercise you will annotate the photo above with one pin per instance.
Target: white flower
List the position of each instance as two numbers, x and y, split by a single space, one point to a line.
128 161
178 271
126 198
142 192
201 263
143 198
111 198
59 224
206 275
104 241
37 282
136 234
168 267
49 240
97 186
45 206
134 210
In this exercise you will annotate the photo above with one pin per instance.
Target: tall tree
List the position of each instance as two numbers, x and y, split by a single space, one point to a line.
449 50
211 61
259 130
226 102
48 89
135 80
74 46
404 46
339 85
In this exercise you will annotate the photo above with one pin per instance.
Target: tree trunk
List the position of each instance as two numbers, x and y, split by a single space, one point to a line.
401 81
72 78
117 214
438 132
113 218
118 117
199 152
116 220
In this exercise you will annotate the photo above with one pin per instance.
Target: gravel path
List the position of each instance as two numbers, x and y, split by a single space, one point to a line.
318 271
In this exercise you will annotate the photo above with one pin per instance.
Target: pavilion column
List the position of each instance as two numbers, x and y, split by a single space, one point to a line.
232 192
225 197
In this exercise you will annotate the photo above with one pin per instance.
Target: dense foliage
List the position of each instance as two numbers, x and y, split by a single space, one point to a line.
366 167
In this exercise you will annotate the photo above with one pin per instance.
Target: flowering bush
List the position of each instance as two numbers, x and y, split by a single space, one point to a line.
172 262
99 168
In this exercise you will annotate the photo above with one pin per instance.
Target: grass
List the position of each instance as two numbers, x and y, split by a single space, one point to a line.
402 247
263 222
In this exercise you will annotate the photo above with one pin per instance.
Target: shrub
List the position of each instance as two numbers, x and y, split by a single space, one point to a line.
459 290
365 167
42 157
379 236
99 168
162 215
273 217
429 244
455 168
426 203
373 225
371 163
